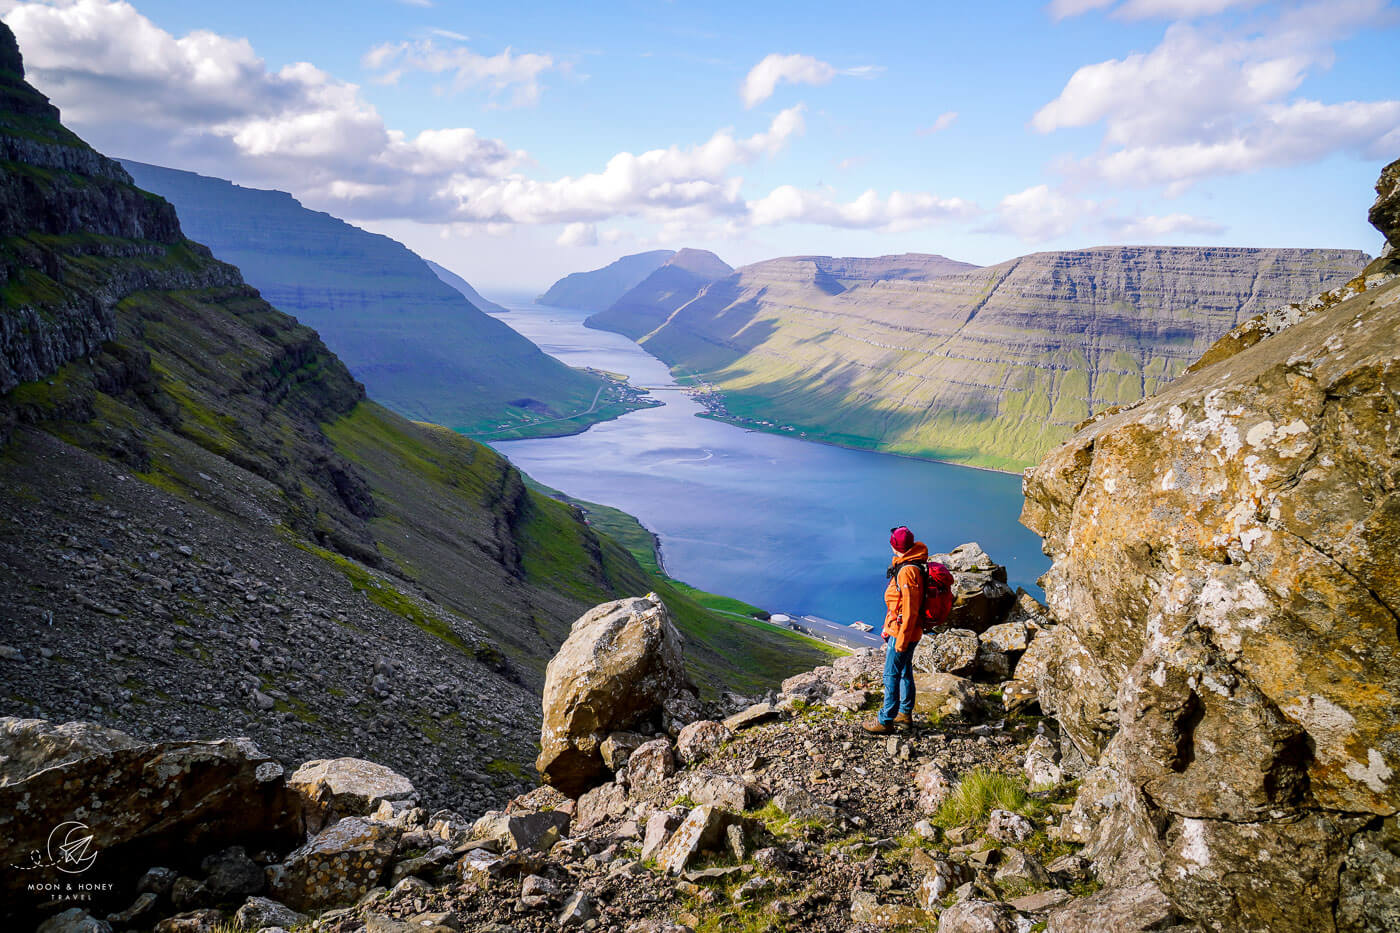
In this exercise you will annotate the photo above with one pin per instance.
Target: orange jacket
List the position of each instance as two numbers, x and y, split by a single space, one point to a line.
904 600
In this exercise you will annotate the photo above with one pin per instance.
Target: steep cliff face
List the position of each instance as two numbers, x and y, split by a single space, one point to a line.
597 289
1226 574
419 346
990 366
648 304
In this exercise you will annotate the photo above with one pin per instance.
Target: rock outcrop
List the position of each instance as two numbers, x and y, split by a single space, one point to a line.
1225 575
992 366
620 670
140 804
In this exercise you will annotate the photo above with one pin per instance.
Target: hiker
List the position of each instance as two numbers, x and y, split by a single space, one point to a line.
903 628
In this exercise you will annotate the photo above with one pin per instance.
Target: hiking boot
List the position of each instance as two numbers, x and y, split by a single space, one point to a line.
904 719
875 727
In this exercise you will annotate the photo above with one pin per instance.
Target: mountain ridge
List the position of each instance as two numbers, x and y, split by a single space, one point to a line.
469 292
987 366
417 342
596 289
647 304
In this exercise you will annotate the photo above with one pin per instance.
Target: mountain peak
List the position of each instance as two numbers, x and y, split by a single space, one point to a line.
700 262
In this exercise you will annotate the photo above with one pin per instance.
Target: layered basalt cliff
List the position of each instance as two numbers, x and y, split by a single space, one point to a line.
989 366
1225 569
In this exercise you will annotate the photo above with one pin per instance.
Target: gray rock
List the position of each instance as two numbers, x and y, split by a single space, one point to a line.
952 651
259 912
618 747
976 916
1005 826
699 740
1016 866
231 873
338 787
1370 882
537 891
158 881
74 920
866 908
1115 910
650 765
660 825
140 913
599 805
335 867
934 785
754 715
578 909
28 746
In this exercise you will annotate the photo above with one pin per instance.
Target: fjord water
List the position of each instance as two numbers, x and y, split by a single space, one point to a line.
785 524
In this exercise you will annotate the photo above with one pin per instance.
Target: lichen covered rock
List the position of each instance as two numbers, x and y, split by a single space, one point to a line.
1227 585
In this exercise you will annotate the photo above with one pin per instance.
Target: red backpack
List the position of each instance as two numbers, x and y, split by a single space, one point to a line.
938 592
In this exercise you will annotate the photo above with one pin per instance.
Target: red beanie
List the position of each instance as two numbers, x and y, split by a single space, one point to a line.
901 538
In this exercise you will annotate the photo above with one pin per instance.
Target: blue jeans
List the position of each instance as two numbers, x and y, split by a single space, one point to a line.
899 683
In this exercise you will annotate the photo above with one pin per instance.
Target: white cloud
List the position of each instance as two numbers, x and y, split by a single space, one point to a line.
662 183
1202 104
898 211
1148 9
1040 213
944 121
208 103
500 72
578 234
1153 227
764 78
1062 9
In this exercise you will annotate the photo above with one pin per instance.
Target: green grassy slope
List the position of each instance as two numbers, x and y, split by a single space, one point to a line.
989 367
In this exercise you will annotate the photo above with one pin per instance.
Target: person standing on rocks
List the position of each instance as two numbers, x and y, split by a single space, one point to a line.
904 602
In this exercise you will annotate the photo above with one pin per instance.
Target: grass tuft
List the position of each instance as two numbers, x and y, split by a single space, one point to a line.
979 793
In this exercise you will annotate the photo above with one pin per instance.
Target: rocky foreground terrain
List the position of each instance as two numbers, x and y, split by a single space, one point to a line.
988 366
782 815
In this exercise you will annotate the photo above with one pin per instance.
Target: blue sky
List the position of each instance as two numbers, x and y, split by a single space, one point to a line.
516 144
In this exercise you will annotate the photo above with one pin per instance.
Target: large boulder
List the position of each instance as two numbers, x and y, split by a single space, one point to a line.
1226 572
981 597
329 789
31 745
336 867
620 670
142 804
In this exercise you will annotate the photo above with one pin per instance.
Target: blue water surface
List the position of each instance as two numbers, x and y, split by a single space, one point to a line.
789 525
